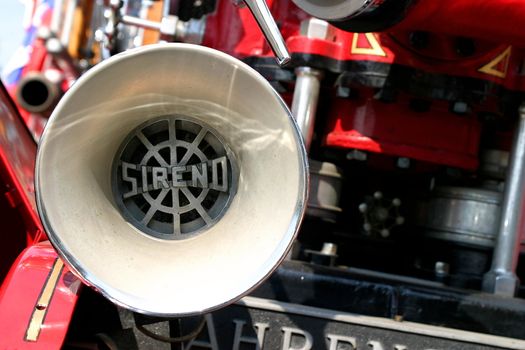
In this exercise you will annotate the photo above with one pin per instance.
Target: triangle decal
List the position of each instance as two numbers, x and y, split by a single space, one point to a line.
499 66
366 44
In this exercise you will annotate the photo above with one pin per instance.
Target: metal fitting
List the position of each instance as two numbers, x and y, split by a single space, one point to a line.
502 279
316 29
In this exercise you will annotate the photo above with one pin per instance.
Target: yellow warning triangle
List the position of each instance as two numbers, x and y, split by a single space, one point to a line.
499 66
372 46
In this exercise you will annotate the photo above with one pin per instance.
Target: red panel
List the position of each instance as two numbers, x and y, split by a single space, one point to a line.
17 164
496 20
435 136
20 293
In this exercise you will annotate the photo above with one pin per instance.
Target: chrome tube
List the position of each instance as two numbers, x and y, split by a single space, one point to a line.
264 18
56 19
140 22
305 98
65 35
502 279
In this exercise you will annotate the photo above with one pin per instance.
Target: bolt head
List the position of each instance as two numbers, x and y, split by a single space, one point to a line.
316 29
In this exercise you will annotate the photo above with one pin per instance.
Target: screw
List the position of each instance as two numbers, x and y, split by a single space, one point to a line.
356 155
441 269
403 163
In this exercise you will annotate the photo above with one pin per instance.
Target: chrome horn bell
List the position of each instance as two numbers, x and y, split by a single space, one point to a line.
171 178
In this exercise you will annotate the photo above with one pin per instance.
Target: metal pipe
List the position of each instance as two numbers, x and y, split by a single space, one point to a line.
305 98
264 18
65 35
140 22
166 8
56 18
502 279
36 93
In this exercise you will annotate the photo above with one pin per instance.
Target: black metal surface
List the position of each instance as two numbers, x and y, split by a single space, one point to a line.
384 295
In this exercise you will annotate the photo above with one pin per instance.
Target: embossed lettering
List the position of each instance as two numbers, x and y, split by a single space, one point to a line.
125 176
335 340
195 175
239 338
211 343
293 337
215 174
160 178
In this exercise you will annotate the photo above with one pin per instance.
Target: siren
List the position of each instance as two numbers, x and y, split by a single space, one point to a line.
172 178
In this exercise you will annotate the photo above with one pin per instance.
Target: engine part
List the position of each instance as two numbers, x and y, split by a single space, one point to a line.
380 215
502 279
462 215
494 163
268 26
326 256
165 175
325 189
357 15
398 130
38 93
305 98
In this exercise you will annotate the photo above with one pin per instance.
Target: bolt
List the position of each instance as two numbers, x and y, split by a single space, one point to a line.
460 107
342 91
400 220
403 163
356 155
315 28
329 248
441 269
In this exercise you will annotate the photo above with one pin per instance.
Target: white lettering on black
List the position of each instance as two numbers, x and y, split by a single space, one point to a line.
212 342
238 338
335 340
294 333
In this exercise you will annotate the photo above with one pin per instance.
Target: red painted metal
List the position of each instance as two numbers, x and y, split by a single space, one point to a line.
19 295
434 136
233 30
17 161
498 21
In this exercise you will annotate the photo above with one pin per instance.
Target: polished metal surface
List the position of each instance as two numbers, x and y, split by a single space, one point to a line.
305 98
264 18
326 180
141 22
37 93
174 177
494 163
75 193
502 279
333 10
69 18
463 215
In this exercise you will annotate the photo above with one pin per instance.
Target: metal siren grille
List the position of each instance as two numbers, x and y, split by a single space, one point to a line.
174 177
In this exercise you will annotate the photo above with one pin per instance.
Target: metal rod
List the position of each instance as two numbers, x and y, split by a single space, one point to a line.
305 98
502 279
264 18
166 8
56 18
140 22
65 35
